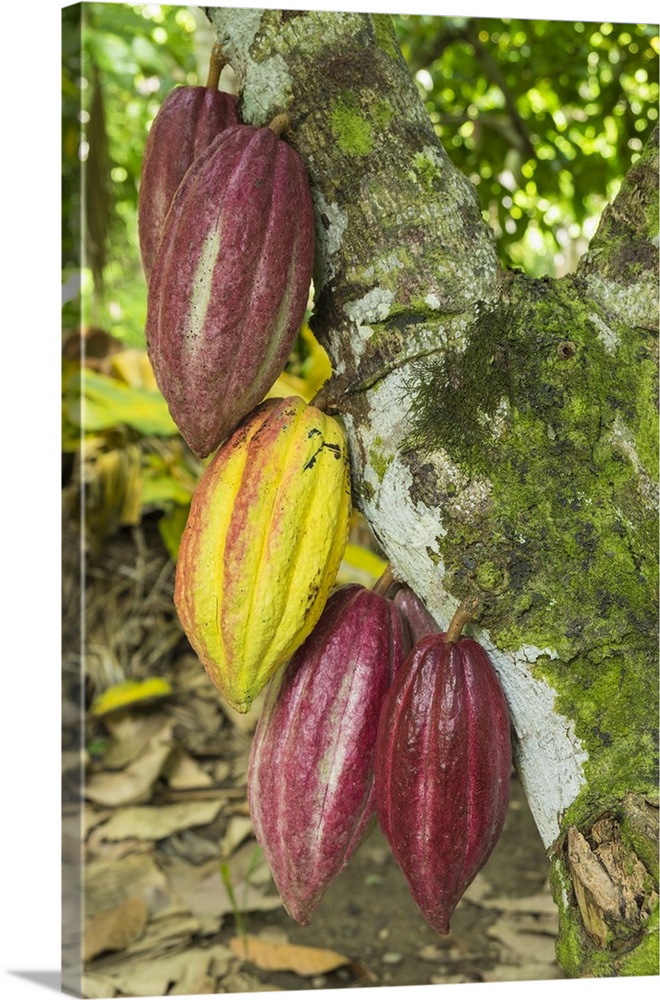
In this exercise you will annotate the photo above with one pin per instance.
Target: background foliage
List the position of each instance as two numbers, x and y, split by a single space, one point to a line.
545 117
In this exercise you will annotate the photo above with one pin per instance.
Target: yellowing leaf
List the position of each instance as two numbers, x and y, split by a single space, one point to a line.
364 560
133 367
130 693
107 402
317 366
290 385
281 956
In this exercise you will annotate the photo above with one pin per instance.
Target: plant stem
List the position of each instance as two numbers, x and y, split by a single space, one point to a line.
216 64
279 124
384 582
464 613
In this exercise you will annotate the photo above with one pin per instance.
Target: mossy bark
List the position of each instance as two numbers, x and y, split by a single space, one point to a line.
503 435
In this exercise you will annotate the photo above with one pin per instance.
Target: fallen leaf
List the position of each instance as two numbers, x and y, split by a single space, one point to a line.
541 904
96 987
131 734
129 693
192 847
279 956
522 973
107 883
523 945
201 889
191 676
91 818
163 974
242 982
158 822
174 927
238 829
97 849
183 771
132 785
116 928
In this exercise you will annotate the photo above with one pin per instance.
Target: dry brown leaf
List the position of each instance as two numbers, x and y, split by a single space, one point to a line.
522 944
97 849
192 847
202 890
96 987
183 771
132 734
191 676
158 822
116 928
107 883
152 974
522 973
134 784
243 982
206 711
174 927
92 817
238 829
279 956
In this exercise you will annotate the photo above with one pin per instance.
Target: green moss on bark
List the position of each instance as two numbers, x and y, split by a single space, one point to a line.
351 129
563 550
385 35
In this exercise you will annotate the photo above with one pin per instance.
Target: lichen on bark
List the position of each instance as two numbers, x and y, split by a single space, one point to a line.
503 429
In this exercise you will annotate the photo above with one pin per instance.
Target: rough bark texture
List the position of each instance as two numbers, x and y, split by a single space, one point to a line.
503 442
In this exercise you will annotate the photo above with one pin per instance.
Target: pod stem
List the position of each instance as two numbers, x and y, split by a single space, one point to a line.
385 581
279 124
217 63
466 611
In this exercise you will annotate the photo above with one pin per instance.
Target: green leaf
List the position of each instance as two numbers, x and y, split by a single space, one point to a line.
107 402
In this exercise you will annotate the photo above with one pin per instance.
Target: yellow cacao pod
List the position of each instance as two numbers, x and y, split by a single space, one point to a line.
266 532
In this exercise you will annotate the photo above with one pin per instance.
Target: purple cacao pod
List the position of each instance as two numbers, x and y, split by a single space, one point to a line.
187 122
310 778
230 281
419 620
443 770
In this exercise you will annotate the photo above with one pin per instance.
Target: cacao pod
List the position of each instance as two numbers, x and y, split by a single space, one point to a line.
310 778
443 767
265 535
420 622
230 281
187 122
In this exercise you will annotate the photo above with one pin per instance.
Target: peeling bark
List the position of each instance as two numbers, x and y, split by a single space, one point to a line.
503 438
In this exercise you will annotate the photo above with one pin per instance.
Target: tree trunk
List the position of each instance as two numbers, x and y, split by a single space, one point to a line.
503 442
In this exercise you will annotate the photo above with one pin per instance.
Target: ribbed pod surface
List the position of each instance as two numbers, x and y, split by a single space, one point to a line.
188 120
420 622
443 765
266 532
230 281
310 780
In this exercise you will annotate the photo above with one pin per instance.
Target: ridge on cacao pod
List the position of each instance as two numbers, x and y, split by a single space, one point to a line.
230 281
186 123
443 769
265 535
310 779
420 622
